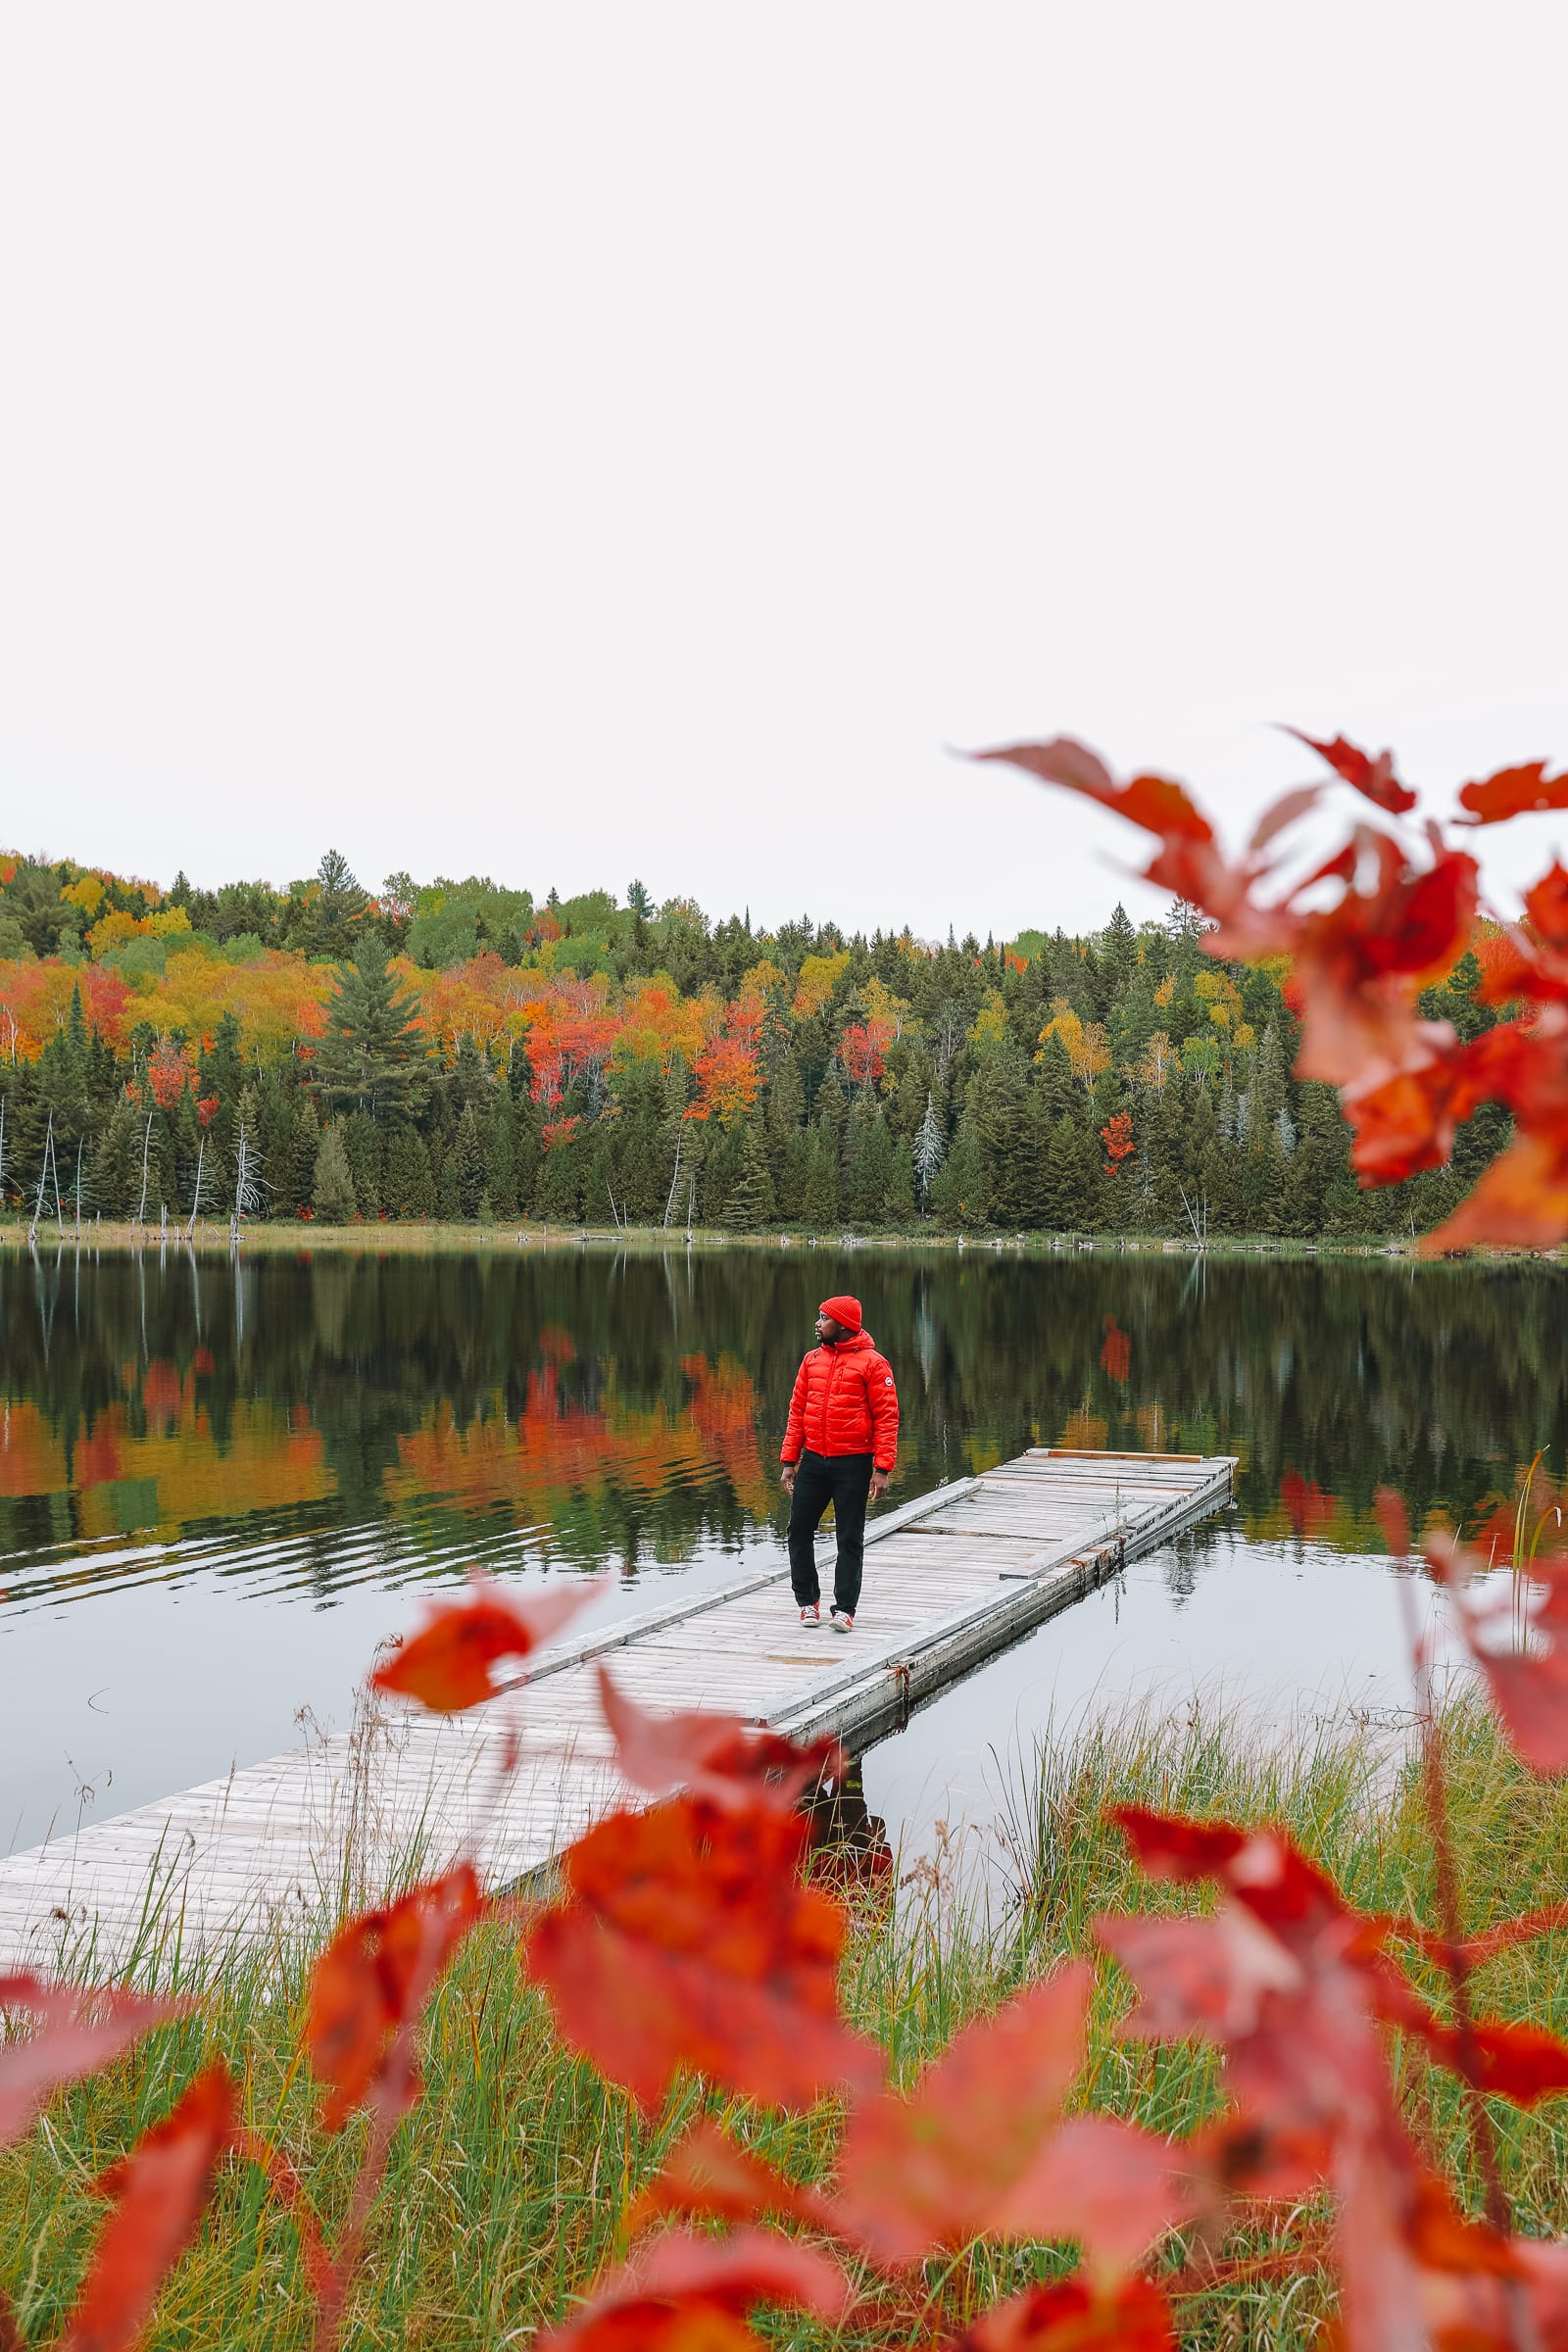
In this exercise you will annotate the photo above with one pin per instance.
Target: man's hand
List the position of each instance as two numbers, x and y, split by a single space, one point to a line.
786 1478
880 1481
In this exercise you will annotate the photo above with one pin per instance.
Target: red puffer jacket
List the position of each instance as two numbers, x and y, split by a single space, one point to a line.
844 1403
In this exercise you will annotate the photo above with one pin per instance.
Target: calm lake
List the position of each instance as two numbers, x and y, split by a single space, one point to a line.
222 1483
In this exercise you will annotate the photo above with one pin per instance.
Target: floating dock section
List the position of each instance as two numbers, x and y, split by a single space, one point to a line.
272 1853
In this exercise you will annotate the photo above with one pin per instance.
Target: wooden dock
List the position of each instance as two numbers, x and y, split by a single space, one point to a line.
273 1852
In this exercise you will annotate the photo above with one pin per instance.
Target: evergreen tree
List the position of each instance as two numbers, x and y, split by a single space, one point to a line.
448 1185
751 1204
958 1198
1066 1203
995 1108
373 1054
114 1174
870 1172
473 1173
362 1141
503 1159
792 1182
558 1195
930 1150
410 1187
819 1186
332 1188
299 1167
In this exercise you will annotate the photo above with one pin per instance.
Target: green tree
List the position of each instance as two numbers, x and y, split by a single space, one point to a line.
473 1168
958 1197
332 1190
410 1187
373 1054
750 1203
819 1183
362 1140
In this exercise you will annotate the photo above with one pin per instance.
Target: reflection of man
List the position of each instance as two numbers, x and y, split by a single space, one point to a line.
840 1446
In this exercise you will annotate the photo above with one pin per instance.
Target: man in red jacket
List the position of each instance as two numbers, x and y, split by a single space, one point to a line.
840 1446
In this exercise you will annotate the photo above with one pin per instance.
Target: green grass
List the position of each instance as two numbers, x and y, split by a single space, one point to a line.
506 2188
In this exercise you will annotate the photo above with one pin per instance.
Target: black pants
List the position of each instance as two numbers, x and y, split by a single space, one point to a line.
842 1479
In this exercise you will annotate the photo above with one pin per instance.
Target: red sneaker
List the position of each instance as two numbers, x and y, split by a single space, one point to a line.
842 1622
812 1615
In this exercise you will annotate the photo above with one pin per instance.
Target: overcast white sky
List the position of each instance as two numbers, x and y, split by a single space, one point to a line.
572 442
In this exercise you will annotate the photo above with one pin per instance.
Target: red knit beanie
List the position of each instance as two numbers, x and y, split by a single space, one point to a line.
844 1310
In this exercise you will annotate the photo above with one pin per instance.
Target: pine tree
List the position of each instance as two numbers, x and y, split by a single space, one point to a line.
958 1198
113 1176
362 1140
751 1204
930 1150
819 1188
559 1195
995 1108
474 1172
373 1056
503 1159
870 1171
304 1143
448 1185
1066 1203
332 1188
410 1187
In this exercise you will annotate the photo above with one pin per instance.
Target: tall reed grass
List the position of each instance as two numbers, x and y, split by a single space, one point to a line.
508 2184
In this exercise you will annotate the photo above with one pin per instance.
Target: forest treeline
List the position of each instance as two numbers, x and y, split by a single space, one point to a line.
458 1052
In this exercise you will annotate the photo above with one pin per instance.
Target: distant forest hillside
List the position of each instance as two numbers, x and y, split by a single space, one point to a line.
456 1052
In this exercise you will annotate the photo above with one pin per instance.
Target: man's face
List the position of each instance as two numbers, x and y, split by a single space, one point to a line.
827 1331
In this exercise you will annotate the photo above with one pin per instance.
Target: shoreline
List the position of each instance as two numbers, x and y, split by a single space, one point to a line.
389 1238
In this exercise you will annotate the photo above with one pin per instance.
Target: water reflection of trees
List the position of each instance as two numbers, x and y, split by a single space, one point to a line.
635 1405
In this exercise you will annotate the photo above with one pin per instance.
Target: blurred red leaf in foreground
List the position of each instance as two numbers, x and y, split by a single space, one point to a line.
705 2177
1112 2187
80 2031
688 1940
1529 1685
372 1980
930 2170
684 2278
1513 791
1375 778
1070 2315
160 2189
446 1666
716 1756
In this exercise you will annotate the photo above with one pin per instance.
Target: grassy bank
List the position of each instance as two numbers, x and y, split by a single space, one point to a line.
508 2184
390 1237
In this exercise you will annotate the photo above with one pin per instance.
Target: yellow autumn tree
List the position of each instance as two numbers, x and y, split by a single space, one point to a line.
1083 1042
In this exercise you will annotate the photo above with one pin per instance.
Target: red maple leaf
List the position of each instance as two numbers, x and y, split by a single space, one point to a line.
160 2189
684 2292
933 2169
1375 778
1513 791
1071 2315
1528 1686
716 1756
373 1980
705 2177
80 2031
690 1941
1187 861
445 1665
